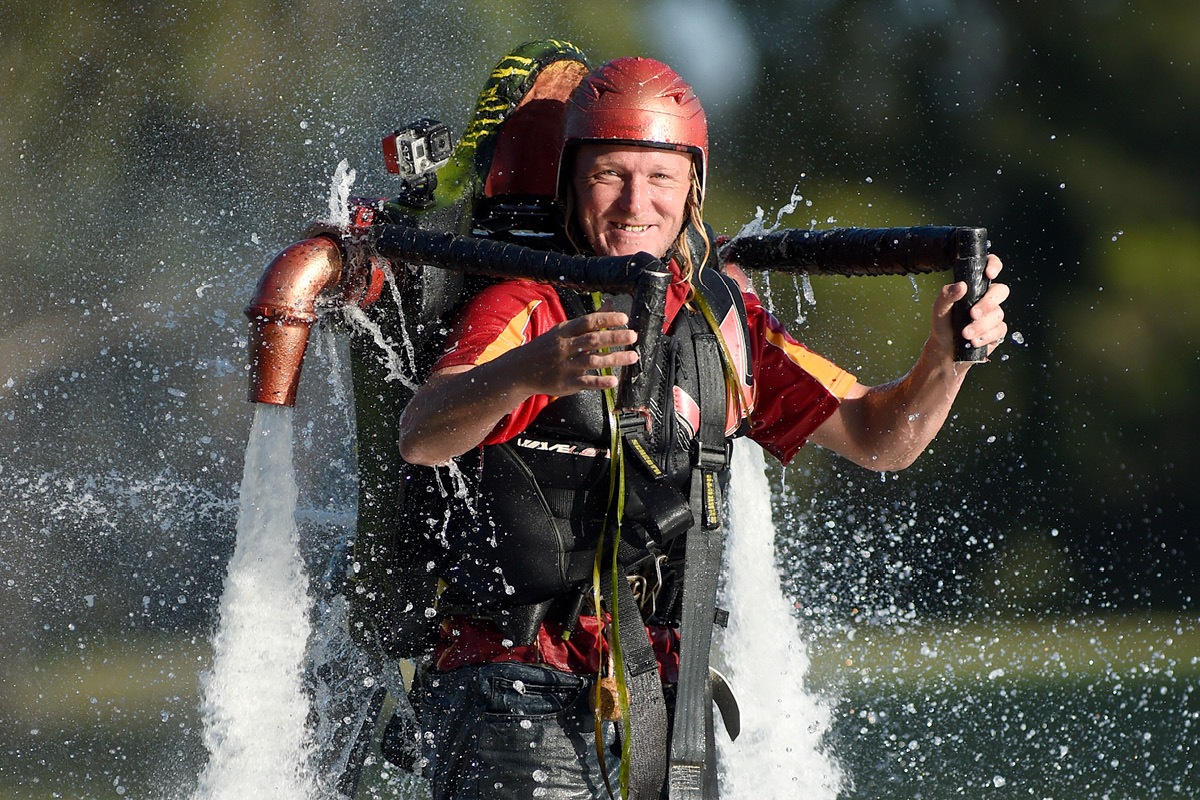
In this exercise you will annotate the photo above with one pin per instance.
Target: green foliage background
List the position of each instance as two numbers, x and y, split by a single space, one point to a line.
156 155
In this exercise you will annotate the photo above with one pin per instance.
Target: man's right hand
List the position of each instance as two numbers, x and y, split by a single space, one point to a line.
458 407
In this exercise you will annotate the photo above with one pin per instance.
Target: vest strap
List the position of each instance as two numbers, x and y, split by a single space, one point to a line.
647 706
692 773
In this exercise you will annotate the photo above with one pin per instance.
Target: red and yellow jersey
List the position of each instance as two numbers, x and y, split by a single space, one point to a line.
791 392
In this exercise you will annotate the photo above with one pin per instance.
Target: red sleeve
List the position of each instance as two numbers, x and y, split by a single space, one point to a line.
795 390
502 317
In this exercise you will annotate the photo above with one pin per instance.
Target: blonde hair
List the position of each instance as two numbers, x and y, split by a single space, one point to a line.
694 214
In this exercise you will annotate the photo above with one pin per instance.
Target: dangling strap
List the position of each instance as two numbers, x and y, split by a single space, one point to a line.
692 771
644 745
640 698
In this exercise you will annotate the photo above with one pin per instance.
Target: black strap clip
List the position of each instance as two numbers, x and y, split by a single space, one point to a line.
711 457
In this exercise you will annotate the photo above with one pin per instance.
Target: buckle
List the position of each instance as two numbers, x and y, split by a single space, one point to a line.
633 420
710 457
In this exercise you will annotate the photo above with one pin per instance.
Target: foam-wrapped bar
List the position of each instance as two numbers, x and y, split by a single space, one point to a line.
876 251
849 251
612 274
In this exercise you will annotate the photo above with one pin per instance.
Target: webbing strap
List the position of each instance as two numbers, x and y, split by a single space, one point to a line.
692 774
692 771
647 723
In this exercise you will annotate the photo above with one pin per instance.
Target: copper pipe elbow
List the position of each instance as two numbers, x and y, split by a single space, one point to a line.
281 313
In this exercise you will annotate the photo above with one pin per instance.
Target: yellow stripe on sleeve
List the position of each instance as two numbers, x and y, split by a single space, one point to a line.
828 374
513 336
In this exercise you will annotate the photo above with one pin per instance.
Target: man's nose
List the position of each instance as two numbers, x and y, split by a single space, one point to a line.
633 195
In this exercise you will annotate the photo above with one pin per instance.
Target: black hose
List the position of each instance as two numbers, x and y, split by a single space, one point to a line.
611 274
849 251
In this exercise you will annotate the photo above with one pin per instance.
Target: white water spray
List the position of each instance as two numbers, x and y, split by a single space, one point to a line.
779 753
255 706
757 227
339 195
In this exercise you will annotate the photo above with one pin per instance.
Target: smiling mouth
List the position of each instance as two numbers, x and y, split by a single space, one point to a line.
631 228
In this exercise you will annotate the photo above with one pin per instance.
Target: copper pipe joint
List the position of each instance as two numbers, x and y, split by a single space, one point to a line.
282 311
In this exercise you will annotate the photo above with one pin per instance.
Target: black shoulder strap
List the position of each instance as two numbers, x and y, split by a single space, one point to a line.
692 771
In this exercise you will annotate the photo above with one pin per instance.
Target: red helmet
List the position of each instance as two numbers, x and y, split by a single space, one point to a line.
637 101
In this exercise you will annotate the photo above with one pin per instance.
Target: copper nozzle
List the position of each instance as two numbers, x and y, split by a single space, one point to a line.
282 311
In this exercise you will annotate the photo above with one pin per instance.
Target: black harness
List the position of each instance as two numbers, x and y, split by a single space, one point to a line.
543 498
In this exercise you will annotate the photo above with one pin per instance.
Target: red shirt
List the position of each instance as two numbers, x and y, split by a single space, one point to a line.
792 391
474 640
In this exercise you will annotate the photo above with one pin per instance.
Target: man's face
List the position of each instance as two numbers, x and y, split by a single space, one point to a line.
631 199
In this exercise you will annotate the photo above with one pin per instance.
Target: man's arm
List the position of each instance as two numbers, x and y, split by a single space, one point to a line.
886 427
459 406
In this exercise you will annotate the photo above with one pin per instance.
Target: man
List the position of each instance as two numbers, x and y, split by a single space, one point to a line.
509 706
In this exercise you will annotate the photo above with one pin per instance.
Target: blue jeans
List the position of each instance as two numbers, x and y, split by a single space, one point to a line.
506 731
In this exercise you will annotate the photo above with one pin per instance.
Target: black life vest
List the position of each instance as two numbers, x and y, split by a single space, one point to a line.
542 497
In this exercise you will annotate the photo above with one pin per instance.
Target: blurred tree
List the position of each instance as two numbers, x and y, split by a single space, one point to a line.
1067 129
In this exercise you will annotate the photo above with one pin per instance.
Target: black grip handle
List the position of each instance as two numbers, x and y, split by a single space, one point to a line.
970 259
612 274
877 251
647 316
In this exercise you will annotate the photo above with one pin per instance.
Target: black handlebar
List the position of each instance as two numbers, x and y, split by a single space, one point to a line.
876 251
611 274
641 275
837 251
